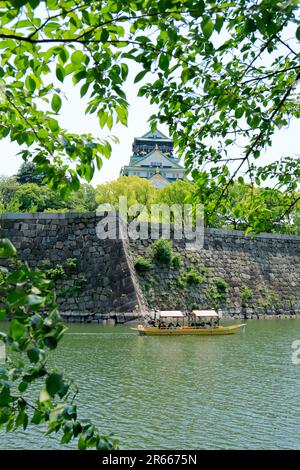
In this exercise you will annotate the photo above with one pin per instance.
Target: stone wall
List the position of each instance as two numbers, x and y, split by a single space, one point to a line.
104 280
262 274
101 282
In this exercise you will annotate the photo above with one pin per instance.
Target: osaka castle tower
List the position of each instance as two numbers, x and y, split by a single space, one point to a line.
152 158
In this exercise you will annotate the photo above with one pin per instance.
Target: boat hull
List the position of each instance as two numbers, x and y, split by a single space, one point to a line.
220 330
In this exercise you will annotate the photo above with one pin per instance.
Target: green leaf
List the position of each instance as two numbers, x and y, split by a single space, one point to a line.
219 23
37 416
42 134
82 442
140 76
164 62
33 355
84 89
7 249
17 330
5 395
104 35
207 27
17 297
239 113
63 54
56 103
30 83
50 342
53 124
60 73
298 33
22 387
2 314
53 383
76 57
122 114
250 25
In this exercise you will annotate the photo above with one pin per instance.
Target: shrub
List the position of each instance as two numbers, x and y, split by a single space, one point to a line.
162 251
176 261
193 278
142 264
221 286
246 294
203 269
80 281
46 263
180 282
72 263
55 273
77 287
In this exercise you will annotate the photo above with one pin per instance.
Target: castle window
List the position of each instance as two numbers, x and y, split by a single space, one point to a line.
158 164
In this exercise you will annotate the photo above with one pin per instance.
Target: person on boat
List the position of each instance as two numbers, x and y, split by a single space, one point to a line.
207 325
178 325
171 325
161 324
151 322
216 324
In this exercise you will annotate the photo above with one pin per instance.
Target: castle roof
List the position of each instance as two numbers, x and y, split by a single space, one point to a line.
156 135
156 152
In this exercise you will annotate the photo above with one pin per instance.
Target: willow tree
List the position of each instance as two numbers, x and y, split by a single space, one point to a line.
222 73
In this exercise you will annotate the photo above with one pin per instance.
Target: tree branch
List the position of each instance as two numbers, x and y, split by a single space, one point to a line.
296 67
256 141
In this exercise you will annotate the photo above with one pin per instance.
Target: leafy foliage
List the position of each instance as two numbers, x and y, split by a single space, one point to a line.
246 207
246 295
28 174
162 250
142 264
176 261
193 278
25 297
58 272
35 197
221 286
136 190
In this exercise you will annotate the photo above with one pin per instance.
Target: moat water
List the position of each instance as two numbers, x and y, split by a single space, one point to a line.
227 392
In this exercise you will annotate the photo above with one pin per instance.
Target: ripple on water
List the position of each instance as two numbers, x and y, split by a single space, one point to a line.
236 392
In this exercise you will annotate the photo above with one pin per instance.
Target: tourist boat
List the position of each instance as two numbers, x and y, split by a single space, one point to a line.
196 322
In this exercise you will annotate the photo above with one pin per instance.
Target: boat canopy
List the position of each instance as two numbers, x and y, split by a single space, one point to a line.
205 313
171 313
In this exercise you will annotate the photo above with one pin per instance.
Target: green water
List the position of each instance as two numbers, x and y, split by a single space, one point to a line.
227 392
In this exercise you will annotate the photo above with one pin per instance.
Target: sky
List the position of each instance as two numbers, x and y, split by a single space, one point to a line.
72 117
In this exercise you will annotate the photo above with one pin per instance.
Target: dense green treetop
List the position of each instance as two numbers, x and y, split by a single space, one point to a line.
27 174
244 207
32 196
